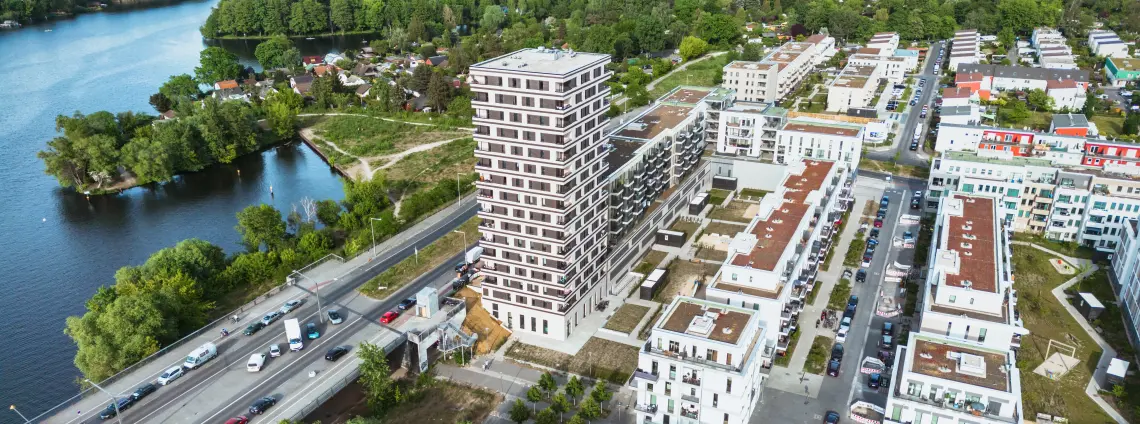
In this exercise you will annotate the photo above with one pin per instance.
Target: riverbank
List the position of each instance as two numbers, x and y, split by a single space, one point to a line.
294 36
79 10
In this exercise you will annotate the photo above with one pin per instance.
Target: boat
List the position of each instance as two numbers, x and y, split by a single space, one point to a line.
47 30
310 38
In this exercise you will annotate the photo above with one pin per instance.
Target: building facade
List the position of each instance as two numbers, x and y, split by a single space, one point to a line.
853 88
965 48
1121 71
540 153
1106 43
780 72
1066 87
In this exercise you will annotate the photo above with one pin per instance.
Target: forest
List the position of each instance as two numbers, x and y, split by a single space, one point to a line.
32 11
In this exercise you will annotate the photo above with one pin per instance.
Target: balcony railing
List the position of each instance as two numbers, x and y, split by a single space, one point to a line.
691 379
646 408
685 357
689 413
642 374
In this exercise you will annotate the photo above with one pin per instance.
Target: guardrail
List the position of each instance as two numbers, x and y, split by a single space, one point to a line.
338 386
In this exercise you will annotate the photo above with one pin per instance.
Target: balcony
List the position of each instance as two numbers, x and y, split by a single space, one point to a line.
691 398
684 357
691 379
689 413
646 408
639 373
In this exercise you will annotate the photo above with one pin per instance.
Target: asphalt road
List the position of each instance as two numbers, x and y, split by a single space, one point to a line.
233 351
912 120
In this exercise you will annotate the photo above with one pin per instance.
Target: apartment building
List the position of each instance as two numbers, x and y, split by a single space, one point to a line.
969 114
960 366
959 96
893 68
965 48
1052 49
780 72
772 265
540 153
652 153
1105 43
704 362
853 88
1126 273
1121 71
1066 87
886 42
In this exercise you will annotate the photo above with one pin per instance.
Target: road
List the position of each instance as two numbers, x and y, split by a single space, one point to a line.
223 387
912 119
837 394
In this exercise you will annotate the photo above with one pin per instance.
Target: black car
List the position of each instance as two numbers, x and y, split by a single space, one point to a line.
261 405
850 312
874 233
888 329
915 203
831 417
837 352
914 146
875 381
335 353
143 391
861 276
253 328
110 412
853 301
833 368
407 303
462 267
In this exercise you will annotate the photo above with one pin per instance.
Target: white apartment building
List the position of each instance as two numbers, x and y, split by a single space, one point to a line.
776 135
1067 87
969 114
893 68
965 48
780 72
853 88
1105 43
704 362
772 265
540 153
1042 34
1126 272
886 42
959 96
960 366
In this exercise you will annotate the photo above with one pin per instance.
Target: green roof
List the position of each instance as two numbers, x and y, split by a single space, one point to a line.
973 157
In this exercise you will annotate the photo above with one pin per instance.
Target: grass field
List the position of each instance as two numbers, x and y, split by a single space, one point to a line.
734 211
650 262
626 318
711 254
689 228
1047 320
717 196
724 228
839 295
699 73
1111 126
430 256
1065 248
817 356
644 333
598 358
894 169
433 165
479 321
752 193
364 136
447 402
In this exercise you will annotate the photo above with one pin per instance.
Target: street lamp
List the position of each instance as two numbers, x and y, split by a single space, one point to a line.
316 291
373 228
458 193
13 408
114 401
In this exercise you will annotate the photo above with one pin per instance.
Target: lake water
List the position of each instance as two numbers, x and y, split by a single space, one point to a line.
57 247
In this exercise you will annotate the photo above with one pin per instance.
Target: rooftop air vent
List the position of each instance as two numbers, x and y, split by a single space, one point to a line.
777 221
967 228
967 283
970 200
969 237
770 229
784 210
966 245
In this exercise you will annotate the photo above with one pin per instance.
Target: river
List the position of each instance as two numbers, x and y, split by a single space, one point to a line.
58 247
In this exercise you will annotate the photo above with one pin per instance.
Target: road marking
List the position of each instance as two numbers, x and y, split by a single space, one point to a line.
283 369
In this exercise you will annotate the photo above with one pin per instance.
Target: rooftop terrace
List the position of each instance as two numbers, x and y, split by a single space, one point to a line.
955 362
545 61
707 320
971 236
654 122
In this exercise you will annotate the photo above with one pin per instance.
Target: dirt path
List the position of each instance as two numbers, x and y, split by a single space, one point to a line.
395 157
363 171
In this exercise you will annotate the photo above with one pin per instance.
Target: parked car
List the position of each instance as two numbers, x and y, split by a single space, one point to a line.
841 335
253 328
888 342
170 375
861 276
311 331
111 412
849 312
274 351
335 353
875 381
407 303
240 419
874 233
271 317
334 316
915 203
831 417
291 305
853 301
888 329
462 267
847 273
866 261
878 223
886 200
143 391
833 368
389 316
261 405
914 146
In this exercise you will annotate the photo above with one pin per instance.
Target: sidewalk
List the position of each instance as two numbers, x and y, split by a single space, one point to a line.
325 277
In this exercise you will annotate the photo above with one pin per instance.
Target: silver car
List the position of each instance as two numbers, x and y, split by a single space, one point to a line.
291 305
270 317
170 375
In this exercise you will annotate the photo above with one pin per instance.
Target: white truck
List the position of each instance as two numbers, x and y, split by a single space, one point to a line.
201 355
293 334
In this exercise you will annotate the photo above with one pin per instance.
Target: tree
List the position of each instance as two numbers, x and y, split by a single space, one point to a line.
601 392
492 17
260 225
277 52
160 102
519 413
648 34
560 404
719 30
180 88
534 395
546 416
1014 112
1039 100
376 377
439 92
281 111
692 47
1131 124
589 409
1089 107
753 52
217 64
547 384
577 419
574 388
340 12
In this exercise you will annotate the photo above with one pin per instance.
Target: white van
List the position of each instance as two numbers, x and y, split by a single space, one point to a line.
201 355
256 361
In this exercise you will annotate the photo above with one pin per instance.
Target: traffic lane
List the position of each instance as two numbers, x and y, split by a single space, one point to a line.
307 311
778 406
436 278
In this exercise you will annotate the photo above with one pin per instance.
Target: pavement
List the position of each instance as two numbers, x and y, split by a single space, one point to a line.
223 387
911 119
797 397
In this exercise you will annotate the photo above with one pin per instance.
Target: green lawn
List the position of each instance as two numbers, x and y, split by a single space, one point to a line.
839 295
1047 319
1111 126
717 196
365 136
1065 248
699 73
752 193
689 228
650 262
817 356
433 165
429 257
733 212
626 318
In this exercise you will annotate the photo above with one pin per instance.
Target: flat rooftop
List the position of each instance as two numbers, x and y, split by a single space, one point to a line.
687 96
750 66
960 363
856 70
545 61
706 320
1125 64
943 308
622 152
971 235
821 128
845 81
654 122
776 231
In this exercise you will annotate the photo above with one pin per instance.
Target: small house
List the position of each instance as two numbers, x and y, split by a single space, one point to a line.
333 58
1117 370
224 85
436 61
1089 306
312 60
363 90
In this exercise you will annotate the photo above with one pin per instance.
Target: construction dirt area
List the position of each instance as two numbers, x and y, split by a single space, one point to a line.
681 275
479 321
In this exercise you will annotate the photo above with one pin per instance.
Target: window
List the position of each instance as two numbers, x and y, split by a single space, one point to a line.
953 298
716 399
728 386
668 389
981 335
522 321
545 327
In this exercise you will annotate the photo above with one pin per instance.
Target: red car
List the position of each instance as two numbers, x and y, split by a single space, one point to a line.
878 223
389 317
241 419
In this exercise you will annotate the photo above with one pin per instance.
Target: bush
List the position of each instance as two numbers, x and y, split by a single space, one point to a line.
839 295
